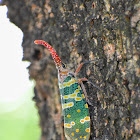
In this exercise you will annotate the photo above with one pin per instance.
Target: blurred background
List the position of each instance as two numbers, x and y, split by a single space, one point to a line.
18 115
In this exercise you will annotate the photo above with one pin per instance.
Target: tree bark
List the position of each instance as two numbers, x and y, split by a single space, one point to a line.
105 30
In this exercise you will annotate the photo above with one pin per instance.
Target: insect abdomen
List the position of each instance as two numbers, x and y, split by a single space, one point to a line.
75 110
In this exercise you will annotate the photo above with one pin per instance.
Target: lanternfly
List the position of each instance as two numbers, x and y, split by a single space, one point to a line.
74 106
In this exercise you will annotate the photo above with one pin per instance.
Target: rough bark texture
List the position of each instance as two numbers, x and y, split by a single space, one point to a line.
105 30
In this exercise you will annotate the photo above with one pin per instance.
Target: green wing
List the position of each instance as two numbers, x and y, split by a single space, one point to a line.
75 110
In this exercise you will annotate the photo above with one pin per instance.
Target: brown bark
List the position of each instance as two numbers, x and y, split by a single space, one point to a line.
105 30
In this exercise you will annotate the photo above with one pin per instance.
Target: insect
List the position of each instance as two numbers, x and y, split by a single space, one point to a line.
74 106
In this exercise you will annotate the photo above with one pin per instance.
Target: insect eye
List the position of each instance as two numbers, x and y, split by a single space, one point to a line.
63 65
72 75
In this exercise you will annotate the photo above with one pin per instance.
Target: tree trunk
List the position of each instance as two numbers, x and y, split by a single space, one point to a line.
104 30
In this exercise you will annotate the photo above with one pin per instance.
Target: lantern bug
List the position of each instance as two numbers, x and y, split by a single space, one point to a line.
74 106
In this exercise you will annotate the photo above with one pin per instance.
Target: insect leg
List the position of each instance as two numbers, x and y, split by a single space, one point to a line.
85 79
80 81
78 69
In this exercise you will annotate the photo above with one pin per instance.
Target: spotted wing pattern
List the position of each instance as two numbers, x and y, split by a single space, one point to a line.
75 110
